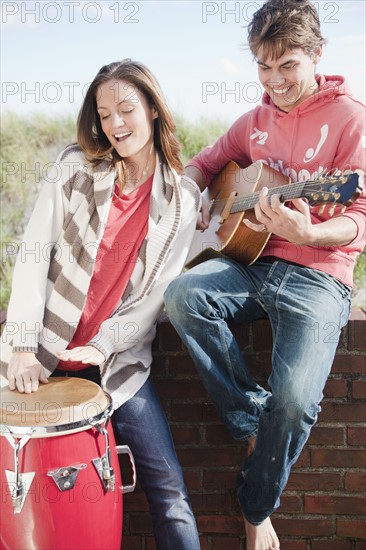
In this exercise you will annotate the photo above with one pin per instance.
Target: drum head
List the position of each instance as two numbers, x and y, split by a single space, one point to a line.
62 404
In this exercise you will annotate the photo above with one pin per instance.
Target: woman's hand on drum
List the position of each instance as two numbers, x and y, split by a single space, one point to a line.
25 372
89 355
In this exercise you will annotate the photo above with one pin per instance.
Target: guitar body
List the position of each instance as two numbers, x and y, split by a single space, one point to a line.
233 194
227 234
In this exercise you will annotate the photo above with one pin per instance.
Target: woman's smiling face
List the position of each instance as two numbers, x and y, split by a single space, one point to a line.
126 119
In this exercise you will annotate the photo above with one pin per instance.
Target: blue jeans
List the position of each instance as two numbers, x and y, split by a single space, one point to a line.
141 424
307 310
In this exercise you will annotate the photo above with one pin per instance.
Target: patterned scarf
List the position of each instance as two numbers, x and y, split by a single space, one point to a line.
86 194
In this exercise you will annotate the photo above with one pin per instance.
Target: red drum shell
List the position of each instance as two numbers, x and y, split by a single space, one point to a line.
84 517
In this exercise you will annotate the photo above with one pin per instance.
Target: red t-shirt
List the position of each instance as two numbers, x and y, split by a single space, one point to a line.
125 231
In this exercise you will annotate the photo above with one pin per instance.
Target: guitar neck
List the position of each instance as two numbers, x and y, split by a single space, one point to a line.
286 192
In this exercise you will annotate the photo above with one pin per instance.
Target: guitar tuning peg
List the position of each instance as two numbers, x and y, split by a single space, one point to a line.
331 210
321 209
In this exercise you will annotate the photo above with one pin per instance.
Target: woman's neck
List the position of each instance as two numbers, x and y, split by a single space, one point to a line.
139 172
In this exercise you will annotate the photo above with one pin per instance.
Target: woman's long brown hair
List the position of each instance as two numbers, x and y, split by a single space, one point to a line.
90 135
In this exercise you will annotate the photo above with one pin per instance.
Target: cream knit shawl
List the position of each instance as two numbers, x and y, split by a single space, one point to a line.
66 227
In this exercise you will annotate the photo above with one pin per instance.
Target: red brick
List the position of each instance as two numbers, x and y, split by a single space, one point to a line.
215 479
330 463
314 481
338 458
355 482
304 459
159 367
333 544
356 436
353 364
182 366
320 435
342 412
181 389
259 366
205 543
168 339
184 435
357 313
357 333
304 527
132 542
343 341
242 334
192 479
210 457
359 389
212 502
355 529
219 435
198 412
224 543
290 504
262 336
291 544
150 543
156 345
135 502
335 388
338 505
220 524
140 523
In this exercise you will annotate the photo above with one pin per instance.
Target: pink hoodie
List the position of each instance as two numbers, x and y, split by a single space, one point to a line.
324 133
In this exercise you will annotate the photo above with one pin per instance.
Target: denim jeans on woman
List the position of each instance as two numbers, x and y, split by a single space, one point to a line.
141 424
307 310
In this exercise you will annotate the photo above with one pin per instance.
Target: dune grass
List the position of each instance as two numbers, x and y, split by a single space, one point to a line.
29 144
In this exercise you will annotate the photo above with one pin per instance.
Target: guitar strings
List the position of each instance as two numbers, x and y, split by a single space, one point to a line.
292 190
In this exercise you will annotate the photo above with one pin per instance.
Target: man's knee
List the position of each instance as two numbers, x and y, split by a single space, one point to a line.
295 409
179 292
173 297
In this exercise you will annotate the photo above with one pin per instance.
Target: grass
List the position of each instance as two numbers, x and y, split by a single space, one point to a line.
29 143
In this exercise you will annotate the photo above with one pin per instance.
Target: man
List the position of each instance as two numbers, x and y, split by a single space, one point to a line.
307 125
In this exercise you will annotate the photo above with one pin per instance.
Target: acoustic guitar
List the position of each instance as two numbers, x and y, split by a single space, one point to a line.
232 196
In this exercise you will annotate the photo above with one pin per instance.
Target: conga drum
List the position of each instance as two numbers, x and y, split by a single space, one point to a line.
60 476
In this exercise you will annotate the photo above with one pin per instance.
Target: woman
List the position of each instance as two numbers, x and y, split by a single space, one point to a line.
113 224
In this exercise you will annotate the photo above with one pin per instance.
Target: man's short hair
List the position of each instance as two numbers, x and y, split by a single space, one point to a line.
281 25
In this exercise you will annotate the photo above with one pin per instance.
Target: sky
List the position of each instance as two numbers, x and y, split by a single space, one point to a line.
51 50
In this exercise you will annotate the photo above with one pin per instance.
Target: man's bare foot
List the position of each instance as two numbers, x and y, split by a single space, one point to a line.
261 537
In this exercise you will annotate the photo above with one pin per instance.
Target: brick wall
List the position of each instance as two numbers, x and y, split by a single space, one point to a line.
323 506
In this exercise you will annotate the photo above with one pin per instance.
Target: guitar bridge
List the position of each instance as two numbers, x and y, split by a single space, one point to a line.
228 206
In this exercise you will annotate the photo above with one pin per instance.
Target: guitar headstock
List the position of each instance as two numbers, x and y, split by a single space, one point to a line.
334 189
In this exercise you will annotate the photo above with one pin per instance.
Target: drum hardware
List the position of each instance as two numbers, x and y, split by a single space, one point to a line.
66 476
19 482
103 463
124 449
